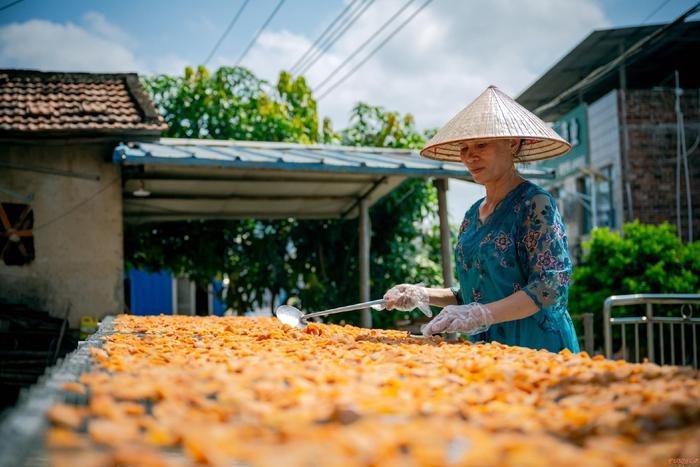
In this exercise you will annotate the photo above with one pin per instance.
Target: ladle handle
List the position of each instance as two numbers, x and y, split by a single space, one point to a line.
358 306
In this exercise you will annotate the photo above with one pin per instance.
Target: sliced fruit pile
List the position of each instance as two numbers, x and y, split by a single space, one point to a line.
227 391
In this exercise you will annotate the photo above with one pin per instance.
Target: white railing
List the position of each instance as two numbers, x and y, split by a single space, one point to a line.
662 332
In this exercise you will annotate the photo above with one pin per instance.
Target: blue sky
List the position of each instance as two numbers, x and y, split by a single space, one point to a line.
432 68
159 36
190 29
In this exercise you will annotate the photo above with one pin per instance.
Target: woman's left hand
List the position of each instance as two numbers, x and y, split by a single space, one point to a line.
468 319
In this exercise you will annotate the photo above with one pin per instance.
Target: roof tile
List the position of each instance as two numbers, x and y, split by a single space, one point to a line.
49 102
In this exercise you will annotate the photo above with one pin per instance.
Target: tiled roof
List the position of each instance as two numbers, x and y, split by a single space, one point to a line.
34 102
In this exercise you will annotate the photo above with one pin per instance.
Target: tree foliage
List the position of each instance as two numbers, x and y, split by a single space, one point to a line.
315 260
641 258
234 104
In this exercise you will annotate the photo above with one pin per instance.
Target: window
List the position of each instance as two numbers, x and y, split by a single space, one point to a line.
16 237
604 198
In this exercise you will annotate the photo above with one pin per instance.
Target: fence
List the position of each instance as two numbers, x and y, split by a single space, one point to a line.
661 331
586 320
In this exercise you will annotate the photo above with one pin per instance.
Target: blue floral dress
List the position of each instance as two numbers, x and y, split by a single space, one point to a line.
522 245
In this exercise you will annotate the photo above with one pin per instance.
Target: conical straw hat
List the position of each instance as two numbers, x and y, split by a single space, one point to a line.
495 115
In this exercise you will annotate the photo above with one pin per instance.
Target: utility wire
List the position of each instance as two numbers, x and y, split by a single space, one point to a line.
79 205
322 36
339 34
595 75
228 30
658 8
364 44
262 28
5 7
334 34
375 50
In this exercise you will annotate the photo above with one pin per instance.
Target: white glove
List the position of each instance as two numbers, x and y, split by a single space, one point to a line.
407 297
468 319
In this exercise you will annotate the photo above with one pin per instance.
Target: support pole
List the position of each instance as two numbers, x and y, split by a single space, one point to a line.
588 337
594 202
626 168
365 229
445 243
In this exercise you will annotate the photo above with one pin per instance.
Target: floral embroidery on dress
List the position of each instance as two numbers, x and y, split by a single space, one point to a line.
530 240
547 261
556 228
464 225
476 295
516 287
502 241
564 278
459 256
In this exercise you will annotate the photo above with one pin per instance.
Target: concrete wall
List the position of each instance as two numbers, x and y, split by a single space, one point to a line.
78 236
651 125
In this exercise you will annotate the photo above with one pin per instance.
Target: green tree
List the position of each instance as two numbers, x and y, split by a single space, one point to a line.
314 260
234 104
640 259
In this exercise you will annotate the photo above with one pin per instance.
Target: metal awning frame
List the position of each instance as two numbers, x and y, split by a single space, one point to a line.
344 182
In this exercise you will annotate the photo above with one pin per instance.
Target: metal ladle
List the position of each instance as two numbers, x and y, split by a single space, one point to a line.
295 318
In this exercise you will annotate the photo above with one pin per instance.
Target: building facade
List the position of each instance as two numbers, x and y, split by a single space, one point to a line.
628 101
61 223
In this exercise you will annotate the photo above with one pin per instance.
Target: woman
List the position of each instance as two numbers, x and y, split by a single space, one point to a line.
512 258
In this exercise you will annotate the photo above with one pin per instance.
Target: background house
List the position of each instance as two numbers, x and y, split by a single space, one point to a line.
59 186
60 210
625 98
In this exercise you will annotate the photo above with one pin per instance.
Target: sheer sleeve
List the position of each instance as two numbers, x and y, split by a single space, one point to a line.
543 254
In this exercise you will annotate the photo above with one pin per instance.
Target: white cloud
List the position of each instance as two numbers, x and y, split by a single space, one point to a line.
169 64
441 60
444 58
435 66
46 45
98 24
96 45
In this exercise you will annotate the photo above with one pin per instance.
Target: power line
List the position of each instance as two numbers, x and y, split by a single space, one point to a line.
374 51
255 39
323 34
334 34
5 7
79 205
663 4
339 34
361 48
228 29
595 75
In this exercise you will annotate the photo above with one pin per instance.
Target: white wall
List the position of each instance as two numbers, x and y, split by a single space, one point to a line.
604 143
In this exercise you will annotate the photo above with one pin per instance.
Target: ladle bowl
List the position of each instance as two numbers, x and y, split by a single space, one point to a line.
295 318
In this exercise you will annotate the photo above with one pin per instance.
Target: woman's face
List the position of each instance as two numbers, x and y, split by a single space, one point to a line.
489 159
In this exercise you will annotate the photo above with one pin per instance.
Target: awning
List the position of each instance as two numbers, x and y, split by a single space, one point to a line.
180 179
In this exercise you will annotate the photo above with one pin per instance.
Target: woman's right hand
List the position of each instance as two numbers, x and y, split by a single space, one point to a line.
406 297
